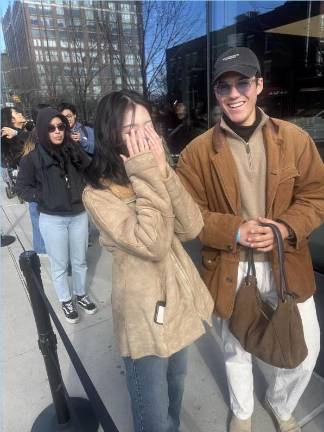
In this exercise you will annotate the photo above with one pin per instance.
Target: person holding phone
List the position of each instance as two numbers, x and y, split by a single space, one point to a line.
79 133
51 175
143 214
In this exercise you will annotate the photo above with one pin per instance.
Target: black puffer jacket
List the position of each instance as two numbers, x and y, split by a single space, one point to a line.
52 175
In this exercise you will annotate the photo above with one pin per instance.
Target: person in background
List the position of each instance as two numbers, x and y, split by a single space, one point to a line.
249 169
158 299
79 133
13 137
52 176
30 144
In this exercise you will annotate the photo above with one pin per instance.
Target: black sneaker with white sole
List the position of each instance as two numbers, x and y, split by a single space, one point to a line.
70 312
86 304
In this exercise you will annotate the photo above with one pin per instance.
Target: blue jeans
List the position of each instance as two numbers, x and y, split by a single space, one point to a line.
66 238
156 385
38 242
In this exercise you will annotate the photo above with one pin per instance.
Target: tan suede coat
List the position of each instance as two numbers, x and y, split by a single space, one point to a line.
294 194
143 227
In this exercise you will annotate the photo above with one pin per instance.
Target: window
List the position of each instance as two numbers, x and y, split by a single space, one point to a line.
34 21
59 11
53 55
130 59
40 69
96 89
47 10
64 43
60 23
32 9
39 55
93 54
51 43
67 70
111 6
125 7
126 18
127 27
118 80
37 42
65 56
89 14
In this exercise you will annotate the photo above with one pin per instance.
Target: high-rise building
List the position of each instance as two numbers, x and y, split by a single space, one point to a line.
78 50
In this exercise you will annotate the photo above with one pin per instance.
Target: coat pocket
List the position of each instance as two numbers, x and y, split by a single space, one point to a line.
284 196
210 261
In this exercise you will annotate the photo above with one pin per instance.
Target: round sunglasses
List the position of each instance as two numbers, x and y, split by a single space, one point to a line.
60 127
223 88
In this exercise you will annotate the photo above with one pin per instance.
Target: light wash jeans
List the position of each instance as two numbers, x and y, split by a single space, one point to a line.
66 238
38 242
287 385
156 385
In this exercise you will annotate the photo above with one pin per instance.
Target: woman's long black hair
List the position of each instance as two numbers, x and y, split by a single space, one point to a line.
106 162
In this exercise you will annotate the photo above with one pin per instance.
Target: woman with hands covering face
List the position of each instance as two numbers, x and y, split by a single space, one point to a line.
143 213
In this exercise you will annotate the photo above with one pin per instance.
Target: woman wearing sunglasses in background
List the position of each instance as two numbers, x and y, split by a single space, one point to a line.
51 175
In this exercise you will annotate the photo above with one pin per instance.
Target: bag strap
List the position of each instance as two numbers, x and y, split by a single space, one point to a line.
283 286
251 266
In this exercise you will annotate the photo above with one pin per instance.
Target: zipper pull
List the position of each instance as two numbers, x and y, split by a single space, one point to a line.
247 148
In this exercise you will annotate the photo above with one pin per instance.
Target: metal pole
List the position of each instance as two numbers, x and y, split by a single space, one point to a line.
30 264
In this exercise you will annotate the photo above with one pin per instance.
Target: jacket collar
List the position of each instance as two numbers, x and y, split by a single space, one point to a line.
271 129
224 162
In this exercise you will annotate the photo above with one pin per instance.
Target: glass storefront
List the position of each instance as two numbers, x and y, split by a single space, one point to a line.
288 38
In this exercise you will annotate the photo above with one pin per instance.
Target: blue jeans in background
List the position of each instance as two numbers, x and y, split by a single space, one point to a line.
156 386
66 238
38 242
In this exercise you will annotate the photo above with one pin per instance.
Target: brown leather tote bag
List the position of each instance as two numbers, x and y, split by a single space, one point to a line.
274 335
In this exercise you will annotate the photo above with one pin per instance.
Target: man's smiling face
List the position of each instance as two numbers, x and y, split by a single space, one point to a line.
237 96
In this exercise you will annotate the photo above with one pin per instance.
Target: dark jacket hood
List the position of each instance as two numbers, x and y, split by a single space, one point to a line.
44 117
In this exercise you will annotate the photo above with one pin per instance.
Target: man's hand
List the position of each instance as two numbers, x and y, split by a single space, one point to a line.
246 230
260 237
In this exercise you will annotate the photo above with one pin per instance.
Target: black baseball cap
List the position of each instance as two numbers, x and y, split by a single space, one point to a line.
240 59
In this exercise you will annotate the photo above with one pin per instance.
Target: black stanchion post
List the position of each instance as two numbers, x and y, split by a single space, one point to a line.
57 416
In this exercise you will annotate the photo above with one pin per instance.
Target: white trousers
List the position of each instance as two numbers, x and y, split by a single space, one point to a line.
287 385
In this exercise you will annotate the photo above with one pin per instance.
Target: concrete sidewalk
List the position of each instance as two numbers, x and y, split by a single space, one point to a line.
25 390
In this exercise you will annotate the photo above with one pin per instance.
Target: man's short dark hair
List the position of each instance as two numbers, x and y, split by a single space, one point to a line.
67 105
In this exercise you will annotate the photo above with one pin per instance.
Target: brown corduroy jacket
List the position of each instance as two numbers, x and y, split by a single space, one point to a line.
294 194
143 226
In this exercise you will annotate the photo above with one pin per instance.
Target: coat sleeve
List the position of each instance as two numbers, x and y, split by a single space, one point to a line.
306 212
188 220
145 231
220 229
26 185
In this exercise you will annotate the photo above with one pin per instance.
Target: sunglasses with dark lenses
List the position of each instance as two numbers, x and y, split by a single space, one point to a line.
223 88
60 127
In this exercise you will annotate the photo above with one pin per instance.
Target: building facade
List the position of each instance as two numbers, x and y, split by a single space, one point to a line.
73 50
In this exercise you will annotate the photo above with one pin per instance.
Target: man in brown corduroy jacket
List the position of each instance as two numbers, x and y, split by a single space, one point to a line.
250 169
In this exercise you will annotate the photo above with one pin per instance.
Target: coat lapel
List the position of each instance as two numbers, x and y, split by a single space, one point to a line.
225 167
272 142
